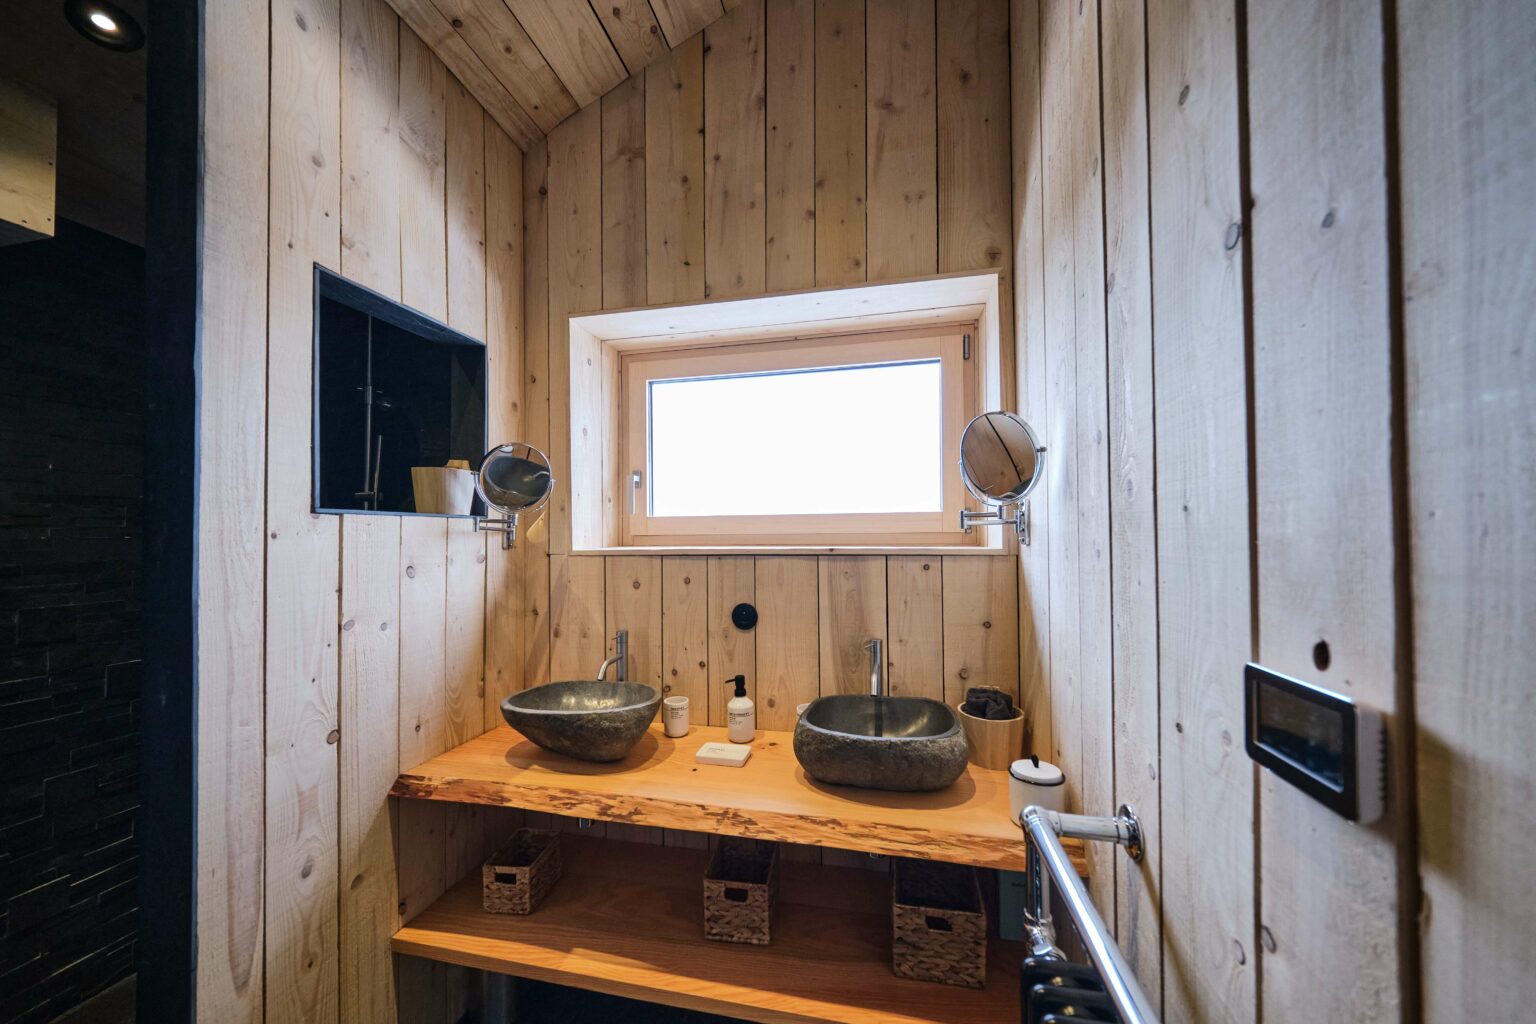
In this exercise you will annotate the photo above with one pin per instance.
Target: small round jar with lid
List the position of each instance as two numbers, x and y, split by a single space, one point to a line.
1033 781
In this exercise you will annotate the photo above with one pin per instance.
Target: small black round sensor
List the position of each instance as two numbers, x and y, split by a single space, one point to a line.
744 616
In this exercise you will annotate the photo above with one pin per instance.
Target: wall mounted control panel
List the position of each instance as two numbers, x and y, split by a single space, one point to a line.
1324 744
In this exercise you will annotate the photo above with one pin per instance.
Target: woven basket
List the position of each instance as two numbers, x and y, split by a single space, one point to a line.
520 874
739 888
939 926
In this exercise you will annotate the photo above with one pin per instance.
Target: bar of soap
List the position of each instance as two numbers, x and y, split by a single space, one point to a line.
732 755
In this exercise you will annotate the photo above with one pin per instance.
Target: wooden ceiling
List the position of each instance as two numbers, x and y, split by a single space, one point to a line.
533 63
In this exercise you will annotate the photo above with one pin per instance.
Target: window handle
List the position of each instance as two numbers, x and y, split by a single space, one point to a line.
635 479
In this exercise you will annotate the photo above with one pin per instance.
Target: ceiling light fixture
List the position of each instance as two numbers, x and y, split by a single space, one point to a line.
104 24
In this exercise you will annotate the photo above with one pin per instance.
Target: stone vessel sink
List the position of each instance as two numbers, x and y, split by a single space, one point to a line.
905 744
586 719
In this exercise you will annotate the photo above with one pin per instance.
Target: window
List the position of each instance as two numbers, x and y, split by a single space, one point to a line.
847 439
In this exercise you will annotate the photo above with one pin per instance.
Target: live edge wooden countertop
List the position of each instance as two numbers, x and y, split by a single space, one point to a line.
660 784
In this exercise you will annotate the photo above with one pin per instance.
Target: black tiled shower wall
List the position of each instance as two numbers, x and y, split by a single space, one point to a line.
72 409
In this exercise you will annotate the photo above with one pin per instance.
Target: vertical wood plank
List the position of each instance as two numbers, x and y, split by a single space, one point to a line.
367 750
685 668
576 604
734 132
370 153
1202 512
973 135
731 651
464 633
902 122
423 658
575 285
1096 696
1060 425
505 612
1468 106
915 658
852 612
791 158
981 626
536 400
1132 451
634 603
840 170
788 666
674 175
303 549
231 469
1031 371
422 128
623 225
1324 381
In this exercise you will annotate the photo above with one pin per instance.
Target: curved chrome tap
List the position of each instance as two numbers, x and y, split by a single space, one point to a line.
620 659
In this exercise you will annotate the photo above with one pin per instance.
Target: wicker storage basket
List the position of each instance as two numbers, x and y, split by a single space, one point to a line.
520 874
939 926
739 888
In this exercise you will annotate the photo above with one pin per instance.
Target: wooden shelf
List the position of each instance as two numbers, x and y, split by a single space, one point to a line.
771 797
627 919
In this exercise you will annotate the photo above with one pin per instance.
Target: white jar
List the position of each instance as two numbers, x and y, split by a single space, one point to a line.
1033 781
674 716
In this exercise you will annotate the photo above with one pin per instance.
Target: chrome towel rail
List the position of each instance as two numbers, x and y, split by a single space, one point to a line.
1047 862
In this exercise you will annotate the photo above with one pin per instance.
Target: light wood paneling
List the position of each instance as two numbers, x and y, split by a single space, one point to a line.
378 169
1317 143
29 126
231 570
1132 452
1204 585
731 651
788 660
981 628
369 685
852 613
791 158
623 239
734 111
303 550
915 598
902 126
840 140
633 30
536 353
498 39
634 603
1467 101
576 603
673 230
685 608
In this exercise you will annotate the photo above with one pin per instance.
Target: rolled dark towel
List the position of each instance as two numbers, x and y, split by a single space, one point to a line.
985 702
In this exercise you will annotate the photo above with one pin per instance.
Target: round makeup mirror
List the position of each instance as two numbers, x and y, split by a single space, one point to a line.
514 479
1001 462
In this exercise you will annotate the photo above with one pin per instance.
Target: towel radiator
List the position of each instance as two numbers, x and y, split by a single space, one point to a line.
1048 864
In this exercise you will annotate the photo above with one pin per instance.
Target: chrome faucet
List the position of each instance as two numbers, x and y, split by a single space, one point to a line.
620 659
876 648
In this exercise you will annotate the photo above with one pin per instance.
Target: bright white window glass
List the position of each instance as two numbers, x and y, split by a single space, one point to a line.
824 441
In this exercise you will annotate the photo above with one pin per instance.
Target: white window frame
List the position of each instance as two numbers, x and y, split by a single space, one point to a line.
949 344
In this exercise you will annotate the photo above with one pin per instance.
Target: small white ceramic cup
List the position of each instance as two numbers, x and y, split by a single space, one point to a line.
1033 781
800 708
674 716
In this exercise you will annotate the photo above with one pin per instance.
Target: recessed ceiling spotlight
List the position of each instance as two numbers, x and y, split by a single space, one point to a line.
104 24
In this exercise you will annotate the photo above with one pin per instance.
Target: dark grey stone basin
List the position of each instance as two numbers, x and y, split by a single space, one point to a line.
905 744
584 718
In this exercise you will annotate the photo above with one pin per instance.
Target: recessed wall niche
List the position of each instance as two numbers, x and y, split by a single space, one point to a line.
395 390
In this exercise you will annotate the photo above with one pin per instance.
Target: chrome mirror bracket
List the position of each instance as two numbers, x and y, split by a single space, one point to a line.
1019 520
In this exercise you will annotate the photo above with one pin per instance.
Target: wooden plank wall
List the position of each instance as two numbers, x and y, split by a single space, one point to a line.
336 651
1270 320
796 143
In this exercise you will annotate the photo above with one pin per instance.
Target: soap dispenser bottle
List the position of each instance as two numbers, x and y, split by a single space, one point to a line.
740 714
